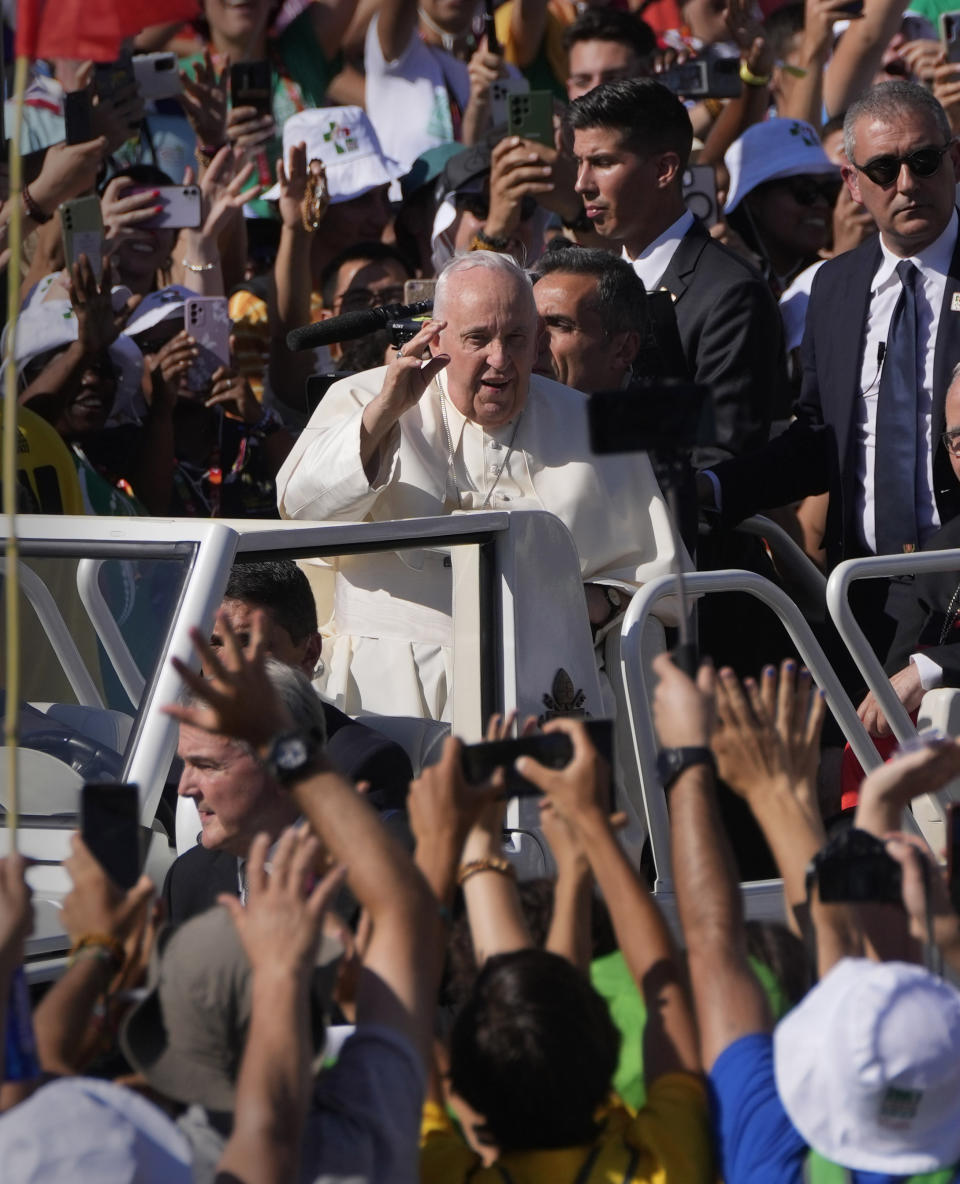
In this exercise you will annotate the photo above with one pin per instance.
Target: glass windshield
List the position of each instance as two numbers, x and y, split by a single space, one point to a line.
94 624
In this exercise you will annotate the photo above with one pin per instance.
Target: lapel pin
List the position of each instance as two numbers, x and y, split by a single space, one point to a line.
955 302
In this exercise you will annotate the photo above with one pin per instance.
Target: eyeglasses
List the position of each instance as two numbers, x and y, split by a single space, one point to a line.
884 170
360 299
807 191
951 441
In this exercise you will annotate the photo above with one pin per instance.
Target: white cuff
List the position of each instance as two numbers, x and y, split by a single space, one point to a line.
931 675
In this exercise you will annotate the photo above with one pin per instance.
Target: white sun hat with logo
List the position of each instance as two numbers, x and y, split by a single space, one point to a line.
344 140
867 1066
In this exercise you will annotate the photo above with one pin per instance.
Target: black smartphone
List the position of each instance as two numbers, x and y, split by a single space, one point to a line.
110 827
655 414
78 116
110 77
953 854
853 8
553 749
319 384
251 86
856 867
490 27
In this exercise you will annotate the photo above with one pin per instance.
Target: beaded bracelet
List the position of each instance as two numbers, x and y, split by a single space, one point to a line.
197 267
32 210
489 863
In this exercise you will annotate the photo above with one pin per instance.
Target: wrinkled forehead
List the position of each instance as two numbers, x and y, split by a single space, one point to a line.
480 294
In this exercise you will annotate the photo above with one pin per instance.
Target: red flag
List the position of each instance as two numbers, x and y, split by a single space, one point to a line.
90 28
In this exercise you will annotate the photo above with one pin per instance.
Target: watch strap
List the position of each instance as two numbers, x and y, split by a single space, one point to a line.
671 762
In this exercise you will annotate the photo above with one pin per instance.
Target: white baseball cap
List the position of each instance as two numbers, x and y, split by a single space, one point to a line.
344 140
770 150
868 1068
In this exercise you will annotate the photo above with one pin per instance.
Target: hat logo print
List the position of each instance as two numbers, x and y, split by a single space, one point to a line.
341 137
899 1106
806 133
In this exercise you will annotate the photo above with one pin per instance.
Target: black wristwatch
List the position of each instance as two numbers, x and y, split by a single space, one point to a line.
671 762
291 753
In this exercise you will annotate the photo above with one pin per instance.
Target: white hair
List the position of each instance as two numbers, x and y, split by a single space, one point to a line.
488 260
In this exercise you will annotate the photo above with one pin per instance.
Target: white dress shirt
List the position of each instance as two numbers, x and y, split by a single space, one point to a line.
933 263
653 261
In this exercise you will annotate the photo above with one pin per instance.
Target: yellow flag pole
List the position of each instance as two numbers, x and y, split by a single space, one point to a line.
11 727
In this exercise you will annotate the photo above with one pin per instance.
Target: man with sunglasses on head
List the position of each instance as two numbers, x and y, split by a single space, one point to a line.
880 344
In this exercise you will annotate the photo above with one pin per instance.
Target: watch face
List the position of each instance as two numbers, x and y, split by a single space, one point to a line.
291 753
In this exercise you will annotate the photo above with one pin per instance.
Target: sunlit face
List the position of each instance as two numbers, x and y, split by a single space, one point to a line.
367 283
237 18
793 216
595 62
231 790
276 640
491 337
911 211
616 183
577 349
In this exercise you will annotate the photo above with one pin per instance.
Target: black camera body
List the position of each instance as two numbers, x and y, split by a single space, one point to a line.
855 867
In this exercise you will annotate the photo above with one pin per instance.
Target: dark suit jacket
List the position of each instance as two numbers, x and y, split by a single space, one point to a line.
195 880
732 337
922 615
816 453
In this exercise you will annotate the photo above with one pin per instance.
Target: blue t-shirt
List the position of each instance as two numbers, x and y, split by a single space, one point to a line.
756 1141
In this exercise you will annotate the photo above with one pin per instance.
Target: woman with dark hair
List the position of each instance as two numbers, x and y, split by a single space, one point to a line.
782 192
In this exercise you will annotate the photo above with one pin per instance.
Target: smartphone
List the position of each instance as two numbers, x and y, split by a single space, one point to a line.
416 290
82 227
553 749
718 78
78 116
207 320
950 35
157 75
251 85
318 385
181 205
855 867
852 9
530 115
110 827
490 27
500 92
953 854
700 192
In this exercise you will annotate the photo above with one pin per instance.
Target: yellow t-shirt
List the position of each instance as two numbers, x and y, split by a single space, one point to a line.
669 1140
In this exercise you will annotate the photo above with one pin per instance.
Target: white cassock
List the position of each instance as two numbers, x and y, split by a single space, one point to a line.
389 649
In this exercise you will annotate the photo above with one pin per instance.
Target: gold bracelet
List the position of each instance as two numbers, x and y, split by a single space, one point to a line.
751 79
95 943
489 863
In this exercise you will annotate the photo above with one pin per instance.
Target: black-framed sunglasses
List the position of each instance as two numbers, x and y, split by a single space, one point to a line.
807 190
951 441
884 170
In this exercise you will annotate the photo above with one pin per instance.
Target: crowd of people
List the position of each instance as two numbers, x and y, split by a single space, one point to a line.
343 980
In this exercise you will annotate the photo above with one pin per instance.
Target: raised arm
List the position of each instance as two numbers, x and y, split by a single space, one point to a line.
291 280
859 52
580 793
401 968
279 928
396 23
728 999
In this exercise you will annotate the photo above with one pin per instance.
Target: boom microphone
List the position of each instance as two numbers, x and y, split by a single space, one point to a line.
352 325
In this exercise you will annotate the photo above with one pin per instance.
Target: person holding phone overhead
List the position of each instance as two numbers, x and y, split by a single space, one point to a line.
458 422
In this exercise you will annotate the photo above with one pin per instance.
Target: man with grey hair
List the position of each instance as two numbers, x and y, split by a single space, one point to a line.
868 426
237 798
458 422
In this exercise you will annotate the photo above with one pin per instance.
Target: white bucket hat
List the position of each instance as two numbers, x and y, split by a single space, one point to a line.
868 1068
52 325
770 150
344 140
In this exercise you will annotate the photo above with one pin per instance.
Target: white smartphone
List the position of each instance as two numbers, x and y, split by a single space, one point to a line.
180 205
207 320
157 75
500 92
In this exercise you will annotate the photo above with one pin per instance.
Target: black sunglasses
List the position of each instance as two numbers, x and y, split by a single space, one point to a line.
807 190
884 170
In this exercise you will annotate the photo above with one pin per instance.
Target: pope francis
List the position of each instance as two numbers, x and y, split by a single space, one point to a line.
457 422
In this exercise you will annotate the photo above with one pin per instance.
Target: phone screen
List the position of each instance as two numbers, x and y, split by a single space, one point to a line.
111 829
